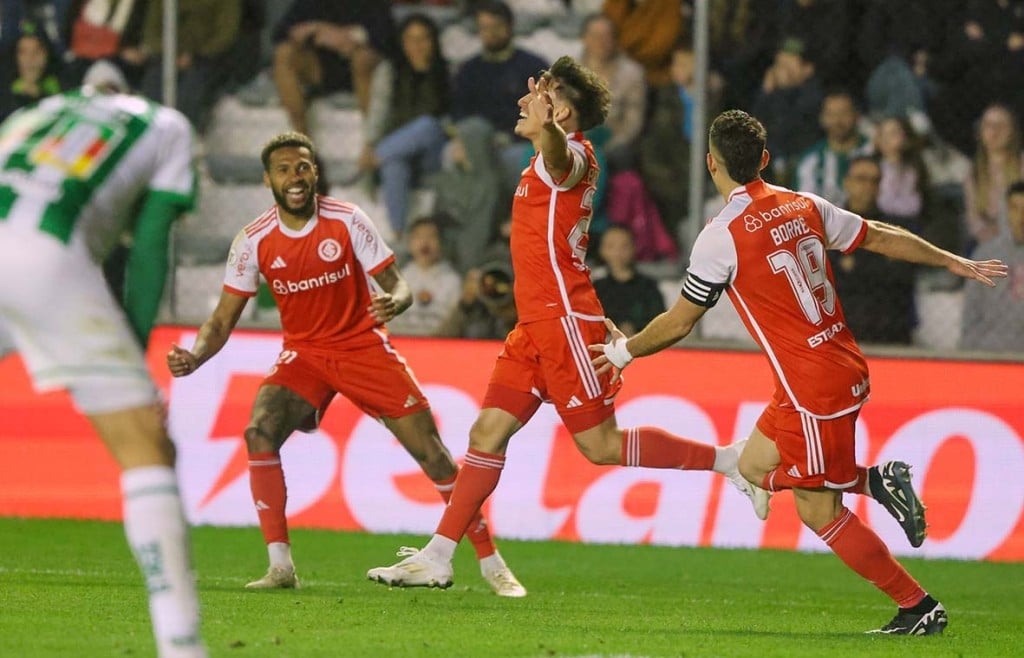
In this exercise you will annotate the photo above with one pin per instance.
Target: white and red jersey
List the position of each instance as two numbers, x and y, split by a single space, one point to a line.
767 250
550 221
319 275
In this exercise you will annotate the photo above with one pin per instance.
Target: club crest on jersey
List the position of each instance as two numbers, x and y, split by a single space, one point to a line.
329 250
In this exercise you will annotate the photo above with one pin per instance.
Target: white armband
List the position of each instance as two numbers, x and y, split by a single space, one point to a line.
617 353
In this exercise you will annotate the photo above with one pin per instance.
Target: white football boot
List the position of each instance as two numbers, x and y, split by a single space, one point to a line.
276 578
418 569
758 497
500 577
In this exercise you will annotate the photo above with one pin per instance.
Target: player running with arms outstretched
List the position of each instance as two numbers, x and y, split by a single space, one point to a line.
319 256
545 356
766 249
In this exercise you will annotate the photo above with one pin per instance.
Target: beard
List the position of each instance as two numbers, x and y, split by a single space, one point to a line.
305 210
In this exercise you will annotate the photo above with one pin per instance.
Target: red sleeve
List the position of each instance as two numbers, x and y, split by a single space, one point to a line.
236 291
383 265
859 239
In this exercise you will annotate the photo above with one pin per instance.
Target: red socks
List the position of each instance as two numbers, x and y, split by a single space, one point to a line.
476 480
862 550
266 480
478 533
651 447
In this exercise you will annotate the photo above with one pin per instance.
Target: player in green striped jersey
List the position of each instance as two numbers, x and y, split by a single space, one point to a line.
77 171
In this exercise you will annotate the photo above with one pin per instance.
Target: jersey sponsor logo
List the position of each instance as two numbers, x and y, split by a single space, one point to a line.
286 287
241 261
329 250
752 222
523 190
278 263
860 389
826 335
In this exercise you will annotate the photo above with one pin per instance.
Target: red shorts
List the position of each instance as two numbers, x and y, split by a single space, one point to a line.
375 378
815 453
548 361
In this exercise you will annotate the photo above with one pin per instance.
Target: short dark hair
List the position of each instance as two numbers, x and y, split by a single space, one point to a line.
1016 188
857 159
423 220
584 89
495 8
739 140
290 138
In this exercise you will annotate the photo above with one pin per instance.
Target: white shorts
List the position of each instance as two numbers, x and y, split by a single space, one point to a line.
57 311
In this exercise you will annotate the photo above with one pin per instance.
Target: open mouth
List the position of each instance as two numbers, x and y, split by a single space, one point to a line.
296 195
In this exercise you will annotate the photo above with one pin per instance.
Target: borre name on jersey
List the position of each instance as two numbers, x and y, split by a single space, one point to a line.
766 249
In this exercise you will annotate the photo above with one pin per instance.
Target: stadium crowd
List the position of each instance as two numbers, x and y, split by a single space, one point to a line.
905 111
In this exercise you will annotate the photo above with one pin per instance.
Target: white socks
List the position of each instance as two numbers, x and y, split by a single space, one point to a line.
154 524
727 459
280 555
441 548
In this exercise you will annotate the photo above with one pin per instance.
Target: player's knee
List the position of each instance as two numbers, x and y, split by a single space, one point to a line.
751 471
601 451
258 440
816 512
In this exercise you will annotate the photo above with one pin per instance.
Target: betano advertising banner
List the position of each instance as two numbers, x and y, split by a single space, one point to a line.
961 426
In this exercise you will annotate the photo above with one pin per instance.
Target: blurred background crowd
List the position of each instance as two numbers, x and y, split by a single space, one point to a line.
907 111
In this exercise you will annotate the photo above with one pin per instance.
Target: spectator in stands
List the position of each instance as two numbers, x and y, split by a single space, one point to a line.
788 104
403 131
324 47
434 283
743 35
648 30
993 318
822 169
107 29
207 30
825 29
625 80
629 298
903 191
877 292
998 163
35 75
48 18
486 308
665 143
979 64
489 85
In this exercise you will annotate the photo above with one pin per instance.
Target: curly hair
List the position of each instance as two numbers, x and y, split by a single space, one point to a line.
290 138
585 90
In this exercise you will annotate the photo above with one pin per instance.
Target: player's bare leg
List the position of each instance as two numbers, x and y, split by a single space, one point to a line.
419 436
154 524
485 459
651 447
889 484
277 412
295 68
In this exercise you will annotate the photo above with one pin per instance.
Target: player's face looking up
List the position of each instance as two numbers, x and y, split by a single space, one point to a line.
533 108
291 176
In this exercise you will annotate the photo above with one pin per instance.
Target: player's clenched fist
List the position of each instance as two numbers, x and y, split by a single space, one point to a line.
181 362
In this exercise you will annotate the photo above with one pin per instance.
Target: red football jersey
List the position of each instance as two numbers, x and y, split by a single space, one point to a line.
767 250
549 238
319 275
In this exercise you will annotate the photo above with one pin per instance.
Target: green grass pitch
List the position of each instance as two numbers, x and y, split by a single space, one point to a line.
70 588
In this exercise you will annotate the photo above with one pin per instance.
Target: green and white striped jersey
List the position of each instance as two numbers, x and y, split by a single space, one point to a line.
79 165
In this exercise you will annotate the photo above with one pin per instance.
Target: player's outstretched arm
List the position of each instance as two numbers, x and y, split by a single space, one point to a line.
212 336
396 296
901 244
663 331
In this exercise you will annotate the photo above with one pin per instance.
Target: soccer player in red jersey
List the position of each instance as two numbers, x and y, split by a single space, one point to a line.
323 259
766 249
545 356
